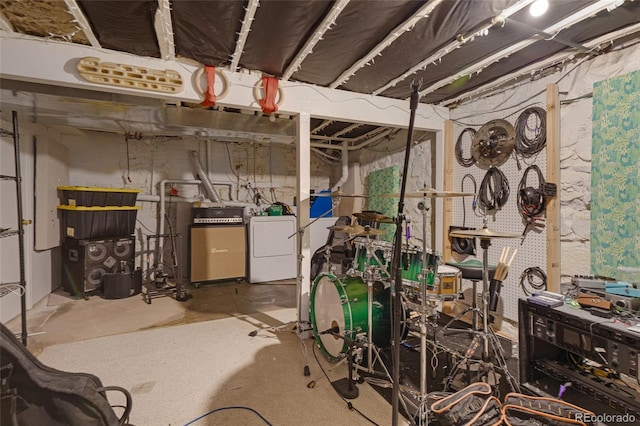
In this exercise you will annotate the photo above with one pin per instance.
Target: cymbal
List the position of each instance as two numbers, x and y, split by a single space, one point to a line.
337 194
341 228
374 217
431 193
493 143
369 232
483 233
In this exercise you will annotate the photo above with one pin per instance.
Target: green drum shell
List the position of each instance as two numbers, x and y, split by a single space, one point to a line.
411 272
342 301
382 249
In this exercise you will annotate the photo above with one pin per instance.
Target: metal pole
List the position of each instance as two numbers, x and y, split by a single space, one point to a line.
397 306
23 281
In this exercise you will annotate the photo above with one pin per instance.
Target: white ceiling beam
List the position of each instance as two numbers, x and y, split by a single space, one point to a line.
450 47
407 25
5 24
247 22
577 17
539 66
322 125
21 59
82 21
164 31
328 21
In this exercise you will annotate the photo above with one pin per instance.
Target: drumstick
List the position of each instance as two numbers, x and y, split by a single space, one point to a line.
503 255
512 257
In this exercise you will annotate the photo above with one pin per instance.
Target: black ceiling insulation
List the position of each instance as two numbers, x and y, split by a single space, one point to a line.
605 22
125 26
447 20
362 25
206 31
499 37
279 31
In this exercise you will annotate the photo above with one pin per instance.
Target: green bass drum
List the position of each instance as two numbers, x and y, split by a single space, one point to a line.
340 303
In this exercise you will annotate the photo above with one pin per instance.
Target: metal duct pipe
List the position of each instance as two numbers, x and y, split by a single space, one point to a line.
345 167
206 183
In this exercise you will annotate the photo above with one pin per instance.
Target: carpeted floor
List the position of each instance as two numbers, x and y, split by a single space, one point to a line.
179 373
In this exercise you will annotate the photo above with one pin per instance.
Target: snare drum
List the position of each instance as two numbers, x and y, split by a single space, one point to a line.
341 303
372 253
446 287
448 283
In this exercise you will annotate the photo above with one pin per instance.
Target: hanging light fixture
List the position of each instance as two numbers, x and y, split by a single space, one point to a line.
538 7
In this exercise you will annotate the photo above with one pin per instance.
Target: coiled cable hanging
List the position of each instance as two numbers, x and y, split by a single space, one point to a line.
531 201
470 161
494 190
465 245
524 144
474 203
535 277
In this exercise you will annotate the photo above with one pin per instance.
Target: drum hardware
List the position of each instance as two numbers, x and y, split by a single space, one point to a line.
486 336
372 264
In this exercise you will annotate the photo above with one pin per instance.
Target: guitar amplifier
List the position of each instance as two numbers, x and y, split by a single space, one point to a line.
85 262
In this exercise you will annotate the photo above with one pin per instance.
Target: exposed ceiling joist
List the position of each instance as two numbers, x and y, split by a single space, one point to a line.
554 60
5 25
324 26
322 125
82 22
164 31
407 25
557 27
451 47
249 16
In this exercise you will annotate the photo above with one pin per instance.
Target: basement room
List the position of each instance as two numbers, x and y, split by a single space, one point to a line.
326 212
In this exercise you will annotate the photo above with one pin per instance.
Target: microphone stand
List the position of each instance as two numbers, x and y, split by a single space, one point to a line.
395 265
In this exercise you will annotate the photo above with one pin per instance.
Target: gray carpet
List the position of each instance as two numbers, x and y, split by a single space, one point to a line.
177 374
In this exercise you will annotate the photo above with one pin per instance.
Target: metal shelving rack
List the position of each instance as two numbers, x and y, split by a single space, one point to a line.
20 286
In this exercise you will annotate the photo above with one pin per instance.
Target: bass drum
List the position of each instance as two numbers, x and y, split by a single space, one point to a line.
340 303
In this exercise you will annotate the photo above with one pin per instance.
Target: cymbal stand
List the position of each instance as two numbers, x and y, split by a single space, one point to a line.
489 339
426 271
370 274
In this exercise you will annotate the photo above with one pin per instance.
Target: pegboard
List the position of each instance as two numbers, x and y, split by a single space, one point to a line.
533 249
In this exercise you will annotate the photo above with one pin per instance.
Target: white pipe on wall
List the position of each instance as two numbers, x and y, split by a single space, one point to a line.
345 167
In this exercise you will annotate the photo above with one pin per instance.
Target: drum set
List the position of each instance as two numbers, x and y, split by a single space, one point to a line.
352 314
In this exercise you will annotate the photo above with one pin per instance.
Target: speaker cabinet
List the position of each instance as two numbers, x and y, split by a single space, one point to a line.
85 262
217 252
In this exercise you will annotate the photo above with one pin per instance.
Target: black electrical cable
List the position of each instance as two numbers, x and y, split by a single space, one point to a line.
466 162
524 144
229 408
466 245
474 203
531 201
494 190
349 404
535 277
